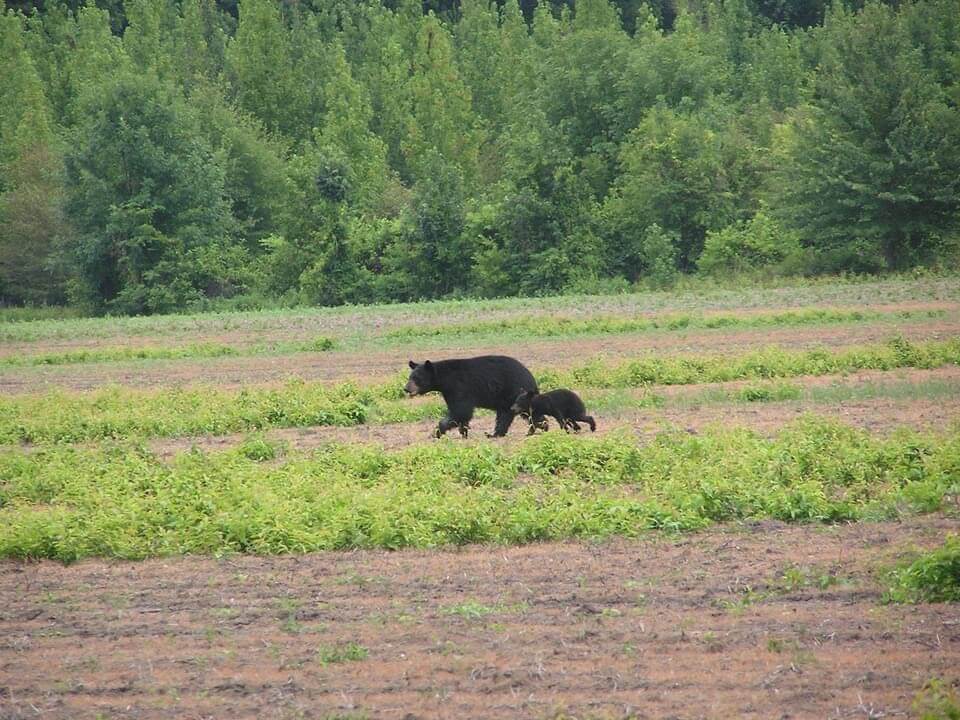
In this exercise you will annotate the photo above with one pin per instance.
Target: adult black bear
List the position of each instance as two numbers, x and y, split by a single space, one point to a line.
488 381
564 405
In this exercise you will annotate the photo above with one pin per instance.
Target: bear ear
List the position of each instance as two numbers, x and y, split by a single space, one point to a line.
428 365
413 365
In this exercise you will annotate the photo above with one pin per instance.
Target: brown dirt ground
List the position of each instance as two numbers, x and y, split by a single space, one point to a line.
697 626
882 414
371 366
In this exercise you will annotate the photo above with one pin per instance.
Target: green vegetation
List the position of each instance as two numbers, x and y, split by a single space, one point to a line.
152 159
124 413
938 700
122 501
931 577
343 652
116 413
473 610
183 352
766 364
524 327
72 357
546 326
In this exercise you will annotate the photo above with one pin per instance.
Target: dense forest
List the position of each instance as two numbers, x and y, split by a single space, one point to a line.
159 155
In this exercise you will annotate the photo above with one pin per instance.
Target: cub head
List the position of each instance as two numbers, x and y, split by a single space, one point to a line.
521 406
422 379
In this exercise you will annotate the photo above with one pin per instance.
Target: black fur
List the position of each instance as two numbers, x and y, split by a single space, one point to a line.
488 381
564 405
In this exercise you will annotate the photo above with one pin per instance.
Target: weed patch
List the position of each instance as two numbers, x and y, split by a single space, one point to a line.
932 577
937 701
122 501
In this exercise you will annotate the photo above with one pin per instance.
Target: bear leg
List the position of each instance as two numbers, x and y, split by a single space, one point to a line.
504 420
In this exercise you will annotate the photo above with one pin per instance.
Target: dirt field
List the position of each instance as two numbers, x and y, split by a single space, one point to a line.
700 626
753 620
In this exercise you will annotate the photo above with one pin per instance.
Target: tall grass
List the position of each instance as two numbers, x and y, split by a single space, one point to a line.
122 501
176 412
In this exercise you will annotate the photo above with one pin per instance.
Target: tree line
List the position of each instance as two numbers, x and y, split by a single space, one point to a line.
159 155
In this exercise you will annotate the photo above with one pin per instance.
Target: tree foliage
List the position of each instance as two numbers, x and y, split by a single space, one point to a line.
157 154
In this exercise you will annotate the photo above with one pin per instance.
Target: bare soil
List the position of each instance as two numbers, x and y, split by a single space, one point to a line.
373 366
698 626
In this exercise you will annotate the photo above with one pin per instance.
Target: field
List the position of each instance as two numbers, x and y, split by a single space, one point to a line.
240 515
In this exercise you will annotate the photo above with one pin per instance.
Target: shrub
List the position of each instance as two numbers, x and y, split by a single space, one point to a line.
932 577
760 242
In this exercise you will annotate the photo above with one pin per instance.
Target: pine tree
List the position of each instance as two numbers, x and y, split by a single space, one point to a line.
32 223
442 117
344 132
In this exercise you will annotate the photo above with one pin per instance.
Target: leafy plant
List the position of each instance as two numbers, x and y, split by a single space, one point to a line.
931 577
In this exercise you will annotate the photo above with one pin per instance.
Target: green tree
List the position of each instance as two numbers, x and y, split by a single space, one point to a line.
686 172
344 134
442 118
32 222
276 75
869 171
147 195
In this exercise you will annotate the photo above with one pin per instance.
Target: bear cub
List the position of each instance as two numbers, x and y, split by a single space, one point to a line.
564 405
488 381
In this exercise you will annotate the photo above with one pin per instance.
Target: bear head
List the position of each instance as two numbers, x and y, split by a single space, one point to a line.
521 406
422 379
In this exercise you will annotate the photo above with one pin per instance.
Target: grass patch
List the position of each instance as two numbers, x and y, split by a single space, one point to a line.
123 501
931 577
473 610
342 652
177 412
507 328
769 363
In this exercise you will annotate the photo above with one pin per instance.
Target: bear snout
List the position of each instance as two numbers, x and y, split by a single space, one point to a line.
412 388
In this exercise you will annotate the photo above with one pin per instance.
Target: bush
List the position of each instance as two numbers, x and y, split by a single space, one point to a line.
761 242
659 250
932 577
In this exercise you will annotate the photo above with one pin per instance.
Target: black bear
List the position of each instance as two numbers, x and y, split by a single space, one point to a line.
564 405
489 381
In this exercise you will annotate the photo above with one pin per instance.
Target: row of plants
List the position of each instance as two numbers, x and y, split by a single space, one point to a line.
523 326
559 326
121 500
60 416
153 352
